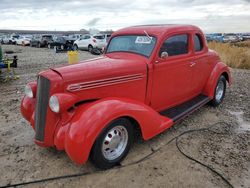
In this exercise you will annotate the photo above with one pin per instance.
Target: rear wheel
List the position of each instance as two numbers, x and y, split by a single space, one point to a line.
113 144
220 91
90 48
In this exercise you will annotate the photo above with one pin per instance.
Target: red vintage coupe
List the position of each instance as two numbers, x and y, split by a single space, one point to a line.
148 78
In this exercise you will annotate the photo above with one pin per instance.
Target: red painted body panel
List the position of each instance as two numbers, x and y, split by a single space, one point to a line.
89 120
93 93
218 70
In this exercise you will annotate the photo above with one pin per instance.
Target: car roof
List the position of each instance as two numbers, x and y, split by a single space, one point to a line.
156 29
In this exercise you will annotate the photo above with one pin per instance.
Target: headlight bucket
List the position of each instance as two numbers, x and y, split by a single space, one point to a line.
61 102
54 104
30 90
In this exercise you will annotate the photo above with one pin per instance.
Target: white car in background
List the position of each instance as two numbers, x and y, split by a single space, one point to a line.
89 42
23 40
5 40
230 37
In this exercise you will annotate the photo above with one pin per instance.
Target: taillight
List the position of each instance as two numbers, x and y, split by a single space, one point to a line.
94 40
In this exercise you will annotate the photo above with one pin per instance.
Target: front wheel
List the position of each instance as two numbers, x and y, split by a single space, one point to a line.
113 144
219 92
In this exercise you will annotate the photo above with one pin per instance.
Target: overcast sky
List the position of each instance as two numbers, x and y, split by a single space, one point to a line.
211 16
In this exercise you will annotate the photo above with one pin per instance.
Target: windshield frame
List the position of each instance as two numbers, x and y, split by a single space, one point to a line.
134 34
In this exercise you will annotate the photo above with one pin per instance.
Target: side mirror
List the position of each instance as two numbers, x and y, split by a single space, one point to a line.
164 55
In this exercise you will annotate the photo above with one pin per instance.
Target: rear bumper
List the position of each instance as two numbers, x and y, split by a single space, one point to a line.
99 46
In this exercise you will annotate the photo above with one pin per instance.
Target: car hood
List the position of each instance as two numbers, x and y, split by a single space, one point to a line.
101 68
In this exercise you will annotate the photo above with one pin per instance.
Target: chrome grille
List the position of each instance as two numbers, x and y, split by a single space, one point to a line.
42 100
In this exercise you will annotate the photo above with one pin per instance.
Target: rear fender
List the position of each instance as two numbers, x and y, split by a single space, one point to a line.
218 70
91 119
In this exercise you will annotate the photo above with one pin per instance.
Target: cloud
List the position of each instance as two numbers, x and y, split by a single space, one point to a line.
93 22
210 15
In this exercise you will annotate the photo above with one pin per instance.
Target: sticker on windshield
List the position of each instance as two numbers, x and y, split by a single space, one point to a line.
143 40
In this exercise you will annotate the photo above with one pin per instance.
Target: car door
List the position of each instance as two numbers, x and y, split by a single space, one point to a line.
87 41
201 64
82 43
172 72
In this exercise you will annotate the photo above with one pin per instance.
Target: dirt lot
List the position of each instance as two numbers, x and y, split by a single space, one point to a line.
225 148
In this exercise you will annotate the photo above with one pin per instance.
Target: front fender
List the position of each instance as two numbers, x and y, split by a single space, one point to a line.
218 70
90 120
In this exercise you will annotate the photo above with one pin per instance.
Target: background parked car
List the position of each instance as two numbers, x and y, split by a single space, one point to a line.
63 43
246 36
13 38
89 42
5 40
230 37
41 41
23 40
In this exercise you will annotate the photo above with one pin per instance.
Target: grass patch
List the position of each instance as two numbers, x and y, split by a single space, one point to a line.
234 55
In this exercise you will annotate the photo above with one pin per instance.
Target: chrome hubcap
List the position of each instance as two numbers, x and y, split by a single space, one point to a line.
115 142
219 91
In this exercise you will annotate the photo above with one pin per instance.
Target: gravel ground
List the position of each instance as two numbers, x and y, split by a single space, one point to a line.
225 148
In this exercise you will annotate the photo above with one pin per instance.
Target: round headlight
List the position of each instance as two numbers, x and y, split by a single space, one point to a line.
54 104
28 91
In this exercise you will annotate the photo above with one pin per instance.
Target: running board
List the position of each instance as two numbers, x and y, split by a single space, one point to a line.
178 112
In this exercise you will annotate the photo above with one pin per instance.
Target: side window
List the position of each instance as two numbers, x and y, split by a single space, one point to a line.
84 37
175 45
87 37
198 45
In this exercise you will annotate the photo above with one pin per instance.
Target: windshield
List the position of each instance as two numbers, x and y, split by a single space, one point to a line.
139 44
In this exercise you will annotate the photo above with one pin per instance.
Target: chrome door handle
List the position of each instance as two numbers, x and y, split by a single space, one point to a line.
192 64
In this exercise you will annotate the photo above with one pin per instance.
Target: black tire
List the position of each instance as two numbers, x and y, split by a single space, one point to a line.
97 156
90 48
75 47
216 101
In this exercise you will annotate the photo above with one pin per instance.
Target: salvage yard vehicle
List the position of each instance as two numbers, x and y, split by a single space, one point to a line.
62 43
149 78
89 42
231 37
23 40
41 41
5 40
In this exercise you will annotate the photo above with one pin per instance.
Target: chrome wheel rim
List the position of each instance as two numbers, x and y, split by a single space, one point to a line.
115 142
219 91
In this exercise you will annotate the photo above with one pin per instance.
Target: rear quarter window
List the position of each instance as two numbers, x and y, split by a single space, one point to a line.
198 44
